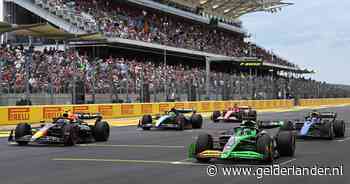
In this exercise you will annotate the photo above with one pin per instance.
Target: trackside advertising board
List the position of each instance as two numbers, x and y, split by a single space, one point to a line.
34 114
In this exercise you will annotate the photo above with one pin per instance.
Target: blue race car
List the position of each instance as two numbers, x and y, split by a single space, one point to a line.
320 125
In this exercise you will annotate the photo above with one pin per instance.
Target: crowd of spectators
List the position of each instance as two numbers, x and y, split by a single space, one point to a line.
122 20
53 71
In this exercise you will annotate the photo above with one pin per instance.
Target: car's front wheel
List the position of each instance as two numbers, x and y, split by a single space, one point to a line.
204 142
146 119
286 143
180 121
22 130
264 146
215 116
70 135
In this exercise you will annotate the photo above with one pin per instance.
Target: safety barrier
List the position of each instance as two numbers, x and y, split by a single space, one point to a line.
324 101
31 114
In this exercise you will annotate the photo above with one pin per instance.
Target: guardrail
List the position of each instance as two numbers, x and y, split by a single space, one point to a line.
324 101
31 114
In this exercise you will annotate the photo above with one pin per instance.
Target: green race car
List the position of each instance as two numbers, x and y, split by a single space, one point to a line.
178 119
263 141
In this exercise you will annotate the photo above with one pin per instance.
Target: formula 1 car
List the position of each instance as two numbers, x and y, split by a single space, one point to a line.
179 119
235 114
320 125
263 141
63 130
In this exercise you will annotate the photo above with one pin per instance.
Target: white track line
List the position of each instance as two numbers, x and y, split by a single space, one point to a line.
128 161
342 140
181 162
131 146
288 161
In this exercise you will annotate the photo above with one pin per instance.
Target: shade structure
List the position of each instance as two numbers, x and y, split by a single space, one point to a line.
231 9
51 32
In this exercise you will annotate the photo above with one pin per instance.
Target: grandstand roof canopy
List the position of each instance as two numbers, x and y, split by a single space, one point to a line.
48 31
233 8
6 27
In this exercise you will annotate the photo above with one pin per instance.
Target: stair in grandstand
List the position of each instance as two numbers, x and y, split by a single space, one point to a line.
65 19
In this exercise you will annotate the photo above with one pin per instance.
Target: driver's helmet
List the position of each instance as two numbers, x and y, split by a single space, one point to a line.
70 116
61 121
172 111
236 108
314 114
65 114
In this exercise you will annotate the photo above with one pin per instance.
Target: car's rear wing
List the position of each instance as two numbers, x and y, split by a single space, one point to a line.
87 116
324 115
84 116
328 115
185 110
270 124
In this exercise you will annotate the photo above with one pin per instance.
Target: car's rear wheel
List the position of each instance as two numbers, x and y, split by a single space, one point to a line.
264 146
21 130
215 116
339 128
146 119
254 115
101 131
204 142
328 129
286 143
70 135
197 121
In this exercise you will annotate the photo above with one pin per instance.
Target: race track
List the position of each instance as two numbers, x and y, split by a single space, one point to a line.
136 156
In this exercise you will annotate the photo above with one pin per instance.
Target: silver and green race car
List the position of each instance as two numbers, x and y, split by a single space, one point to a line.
179 119
261 141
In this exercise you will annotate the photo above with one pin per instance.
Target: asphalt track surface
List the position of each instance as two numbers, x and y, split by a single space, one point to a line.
136 156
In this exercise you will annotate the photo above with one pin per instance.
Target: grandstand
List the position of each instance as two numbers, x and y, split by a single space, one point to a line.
87 51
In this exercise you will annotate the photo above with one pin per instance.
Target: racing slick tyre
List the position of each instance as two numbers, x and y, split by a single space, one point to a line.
287 126
215 116
339 128
180 120
204 142
286 143
146 119
197 121
21 130
101 131
264 146
70 135
328 130
254 116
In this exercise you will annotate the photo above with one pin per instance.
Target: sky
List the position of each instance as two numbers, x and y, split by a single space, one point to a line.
311 33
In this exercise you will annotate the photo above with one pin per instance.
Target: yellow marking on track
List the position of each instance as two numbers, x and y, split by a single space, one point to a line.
4 134
131 146
181 162
123 161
